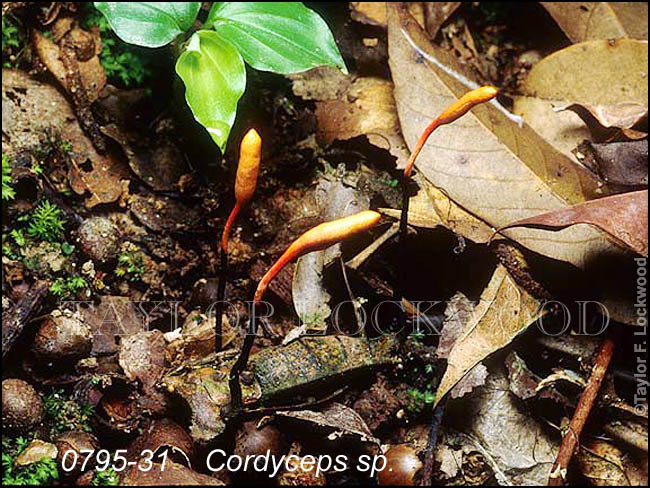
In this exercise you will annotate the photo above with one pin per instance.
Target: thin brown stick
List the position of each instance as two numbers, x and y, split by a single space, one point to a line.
570 440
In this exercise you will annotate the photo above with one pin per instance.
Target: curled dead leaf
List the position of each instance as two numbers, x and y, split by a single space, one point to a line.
618 122
623 217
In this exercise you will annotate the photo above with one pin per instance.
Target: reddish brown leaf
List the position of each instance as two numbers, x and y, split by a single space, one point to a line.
626 121
624 217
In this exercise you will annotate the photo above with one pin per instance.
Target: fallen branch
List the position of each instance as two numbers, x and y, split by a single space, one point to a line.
570 440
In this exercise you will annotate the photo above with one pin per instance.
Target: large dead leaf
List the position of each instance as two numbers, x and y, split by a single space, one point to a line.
484 162
29 108
583 21
513 443
503 311
624 217
592 73
487 164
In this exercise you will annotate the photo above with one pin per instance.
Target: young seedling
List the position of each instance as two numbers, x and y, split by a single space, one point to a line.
456 110
250 155
320 237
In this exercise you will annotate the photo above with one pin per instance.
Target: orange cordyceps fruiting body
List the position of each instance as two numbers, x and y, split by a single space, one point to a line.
250 155
320 237
456 110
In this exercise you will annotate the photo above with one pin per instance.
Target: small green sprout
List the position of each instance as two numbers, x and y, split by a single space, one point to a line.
420 399
12 40
66 414
108 477
130 265
68 287
19 237
46 223
8 192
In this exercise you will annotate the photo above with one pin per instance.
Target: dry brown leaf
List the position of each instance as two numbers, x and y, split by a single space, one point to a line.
373 13
159 164
93 75
112 319
503 311
624 217
604 464
514 444
625 121
29 107
342 419
436 13
592 73
484 162
582 21
492 168
620 163
348 107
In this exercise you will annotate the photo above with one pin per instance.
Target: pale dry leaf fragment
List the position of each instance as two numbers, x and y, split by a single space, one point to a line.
503 312
310 298
591 74
373 13
583 21
36 451
342 419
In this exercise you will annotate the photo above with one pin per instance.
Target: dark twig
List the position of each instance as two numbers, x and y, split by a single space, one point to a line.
240 365
570 440
429 457
221 296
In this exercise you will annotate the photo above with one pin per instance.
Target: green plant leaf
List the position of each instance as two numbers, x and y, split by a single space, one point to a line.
149 24
215 78
282 37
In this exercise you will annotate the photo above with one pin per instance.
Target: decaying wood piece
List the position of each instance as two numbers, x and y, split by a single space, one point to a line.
15 318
